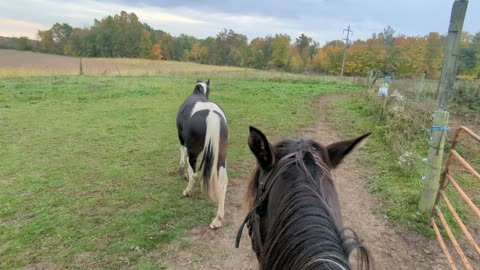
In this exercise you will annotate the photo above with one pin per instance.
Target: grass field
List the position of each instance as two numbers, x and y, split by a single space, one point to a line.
87 162
17 63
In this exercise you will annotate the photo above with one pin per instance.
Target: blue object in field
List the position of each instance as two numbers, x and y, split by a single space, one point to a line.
383 91
387 79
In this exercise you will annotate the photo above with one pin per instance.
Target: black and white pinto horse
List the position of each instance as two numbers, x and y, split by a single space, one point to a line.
202 130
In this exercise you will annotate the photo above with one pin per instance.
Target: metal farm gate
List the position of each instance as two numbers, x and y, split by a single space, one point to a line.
447 178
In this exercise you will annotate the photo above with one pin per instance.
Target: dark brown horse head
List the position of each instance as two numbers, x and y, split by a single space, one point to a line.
295 221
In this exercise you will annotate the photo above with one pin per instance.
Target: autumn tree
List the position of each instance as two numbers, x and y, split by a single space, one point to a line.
198 53
232 48
468 59
387 36
167 44
319 61
476 44
306 49
259 52
127 34
329 58
156 51
280 51
296 63
181 46
55 39
24 44
360 59
213 56
46 43
105 32
145 45
434 55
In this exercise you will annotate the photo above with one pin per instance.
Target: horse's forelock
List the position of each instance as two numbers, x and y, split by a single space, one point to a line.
309 148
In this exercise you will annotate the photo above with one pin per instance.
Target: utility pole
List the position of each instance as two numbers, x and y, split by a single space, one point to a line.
346 46
440 117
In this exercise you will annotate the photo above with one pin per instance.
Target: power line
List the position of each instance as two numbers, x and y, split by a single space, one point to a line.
346 46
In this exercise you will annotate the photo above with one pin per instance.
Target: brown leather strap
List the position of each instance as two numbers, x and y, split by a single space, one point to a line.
256 233
264 188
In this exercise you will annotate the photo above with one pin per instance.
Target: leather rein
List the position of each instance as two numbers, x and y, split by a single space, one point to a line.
252 219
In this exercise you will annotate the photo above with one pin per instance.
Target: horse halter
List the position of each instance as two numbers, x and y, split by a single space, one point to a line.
252 219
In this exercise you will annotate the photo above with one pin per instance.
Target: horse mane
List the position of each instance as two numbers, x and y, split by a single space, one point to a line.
306 234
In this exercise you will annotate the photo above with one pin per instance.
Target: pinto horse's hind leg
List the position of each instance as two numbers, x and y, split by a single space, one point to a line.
183 151
221 192
191 175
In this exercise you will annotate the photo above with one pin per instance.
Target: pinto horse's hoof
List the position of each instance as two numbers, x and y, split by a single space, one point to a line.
216 223
185 194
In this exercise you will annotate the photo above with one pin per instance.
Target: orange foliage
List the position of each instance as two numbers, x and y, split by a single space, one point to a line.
156 51
407 56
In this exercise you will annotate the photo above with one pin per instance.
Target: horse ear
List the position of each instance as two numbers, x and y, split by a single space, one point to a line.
337 151
208 87
261 148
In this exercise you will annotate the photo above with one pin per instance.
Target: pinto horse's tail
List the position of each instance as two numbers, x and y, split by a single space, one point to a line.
209 164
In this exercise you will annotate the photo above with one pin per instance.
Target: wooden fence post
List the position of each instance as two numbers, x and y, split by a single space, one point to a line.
440 121
384 105
81 67
434 161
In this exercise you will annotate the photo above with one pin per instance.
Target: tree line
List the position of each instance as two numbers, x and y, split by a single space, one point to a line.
124 35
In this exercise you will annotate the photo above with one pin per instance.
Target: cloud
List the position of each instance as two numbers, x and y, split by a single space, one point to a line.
20 24
323 20
18 28
157 15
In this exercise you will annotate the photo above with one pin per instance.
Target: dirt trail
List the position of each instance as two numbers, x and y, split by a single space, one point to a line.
202 248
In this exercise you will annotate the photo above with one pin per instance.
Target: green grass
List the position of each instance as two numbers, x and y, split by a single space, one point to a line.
399 189
86 162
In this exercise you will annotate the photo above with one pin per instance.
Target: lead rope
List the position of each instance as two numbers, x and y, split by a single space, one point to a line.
245 220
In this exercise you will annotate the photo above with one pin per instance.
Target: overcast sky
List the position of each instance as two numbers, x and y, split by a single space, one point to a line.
323 20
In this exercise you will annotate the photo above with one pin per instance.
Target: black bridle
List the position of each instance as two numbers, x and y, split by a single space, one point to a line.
253 217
